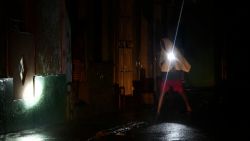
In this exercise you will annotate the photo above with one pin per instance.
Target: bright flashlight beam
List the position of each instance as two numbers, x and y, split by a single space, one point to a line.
163 86
171 56
32 95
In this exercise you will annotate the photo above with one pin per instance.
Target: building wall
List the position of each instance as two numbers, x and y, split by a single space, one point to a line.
21 47
48 49
39 33
199 44
92 44
20 114
2 40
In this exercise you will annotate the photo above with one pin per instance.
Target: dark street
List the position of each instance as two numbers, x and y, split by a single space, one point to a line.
124 70
205 123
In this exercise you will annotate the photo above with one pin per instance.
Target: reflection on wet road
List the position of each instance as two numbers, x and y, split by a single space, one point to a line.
171 132
27 135
165 131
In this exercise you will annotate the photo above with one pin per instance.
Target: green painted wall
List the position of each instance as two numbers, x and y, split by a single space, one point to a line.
52 105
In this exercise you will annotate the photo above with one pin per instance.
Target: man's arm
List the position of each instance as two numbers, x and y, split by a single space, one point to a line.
183 64
162 57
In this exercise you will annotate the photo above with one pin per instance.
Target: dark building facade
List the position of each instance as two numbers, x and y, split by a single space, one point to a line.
99 44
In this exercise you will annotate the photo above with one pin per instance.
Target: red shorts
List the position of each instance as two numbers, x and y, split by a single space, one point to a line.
175 84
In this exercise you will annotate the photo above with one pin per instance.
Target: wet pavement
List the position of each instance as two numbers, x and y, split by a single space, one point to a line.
126 126
130 130
208 122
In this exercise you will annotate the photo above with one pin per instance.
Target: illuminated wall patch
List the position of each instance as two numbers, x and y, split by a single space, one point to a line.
21 70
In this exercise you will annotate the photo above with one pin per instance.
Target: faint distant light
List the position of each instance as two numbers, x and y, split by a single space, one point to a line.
30 97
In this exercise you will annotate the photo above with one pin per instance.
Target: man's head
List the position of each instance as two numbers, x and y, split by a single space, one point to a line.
166 43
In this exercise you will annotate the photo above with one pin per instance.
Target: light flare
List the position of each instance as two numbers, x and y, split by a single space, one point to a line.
171 56
166 77
32 93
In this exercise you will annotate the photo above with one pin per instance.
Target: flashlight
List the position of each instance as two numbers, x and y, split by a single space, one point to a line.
171 57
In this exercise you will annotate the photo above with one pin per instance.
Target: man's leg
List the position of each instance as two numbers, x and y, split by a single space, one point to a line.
164 89
160 103
179 88
184 97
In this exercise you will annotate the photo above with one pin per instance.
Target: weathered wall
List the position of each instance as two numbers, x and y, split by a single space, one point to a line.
20 46
40 33
48 50
2 55
100 87
6 95
2 40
